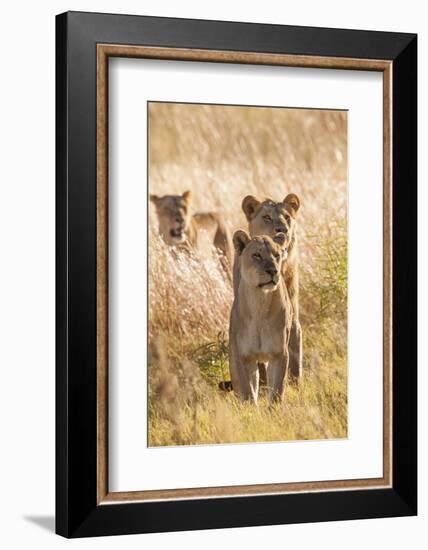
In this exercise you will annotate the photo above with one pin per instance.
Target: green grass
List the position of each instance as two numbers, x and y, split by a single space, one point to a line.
212 359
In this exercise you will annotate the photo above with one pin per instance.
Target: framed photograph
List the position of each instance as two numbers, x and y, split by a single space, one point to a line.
236 274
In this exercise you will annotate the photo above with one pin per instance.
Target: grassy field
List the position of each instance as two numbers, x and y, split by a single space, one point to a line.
223 154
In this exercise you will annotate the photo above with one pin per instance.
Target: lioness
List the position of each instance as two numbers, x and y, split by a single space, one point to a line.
260 320
268 217
178 226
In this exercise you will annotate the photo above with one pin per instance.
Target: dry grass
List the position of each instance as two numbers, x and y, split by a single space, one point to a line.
223 154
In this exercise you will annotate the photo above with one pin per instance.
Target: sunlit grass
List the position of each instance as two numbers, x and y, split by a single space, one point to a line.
223 154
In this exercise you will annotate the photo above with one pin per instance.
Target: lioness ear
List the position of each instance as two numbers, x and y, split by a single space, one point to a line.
279 238
249 206
155 199
240 240
187 195
293 201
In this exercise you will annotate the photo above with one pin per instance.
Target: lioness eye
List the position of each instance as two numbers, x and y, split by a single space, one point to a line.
267 219
257 257
277 256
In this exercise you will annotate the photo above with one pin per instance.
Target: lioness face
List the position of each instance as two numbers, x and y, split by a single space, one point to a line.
173 215
269 218
261 259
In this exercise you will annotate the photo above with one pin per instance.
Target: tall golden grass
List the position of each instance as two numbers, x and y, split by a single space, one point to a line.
222 154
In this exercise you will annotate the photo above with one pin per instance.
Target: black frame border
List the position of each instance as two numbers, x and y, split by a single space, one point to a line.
77 512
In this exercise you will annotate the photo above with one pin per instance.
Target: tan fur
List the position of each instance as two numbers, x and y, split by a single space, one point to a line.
268 217
260 320
178 226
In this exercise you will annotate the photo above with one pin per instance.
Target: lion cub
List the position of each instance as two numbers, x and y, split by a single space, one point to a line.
261 316
178 226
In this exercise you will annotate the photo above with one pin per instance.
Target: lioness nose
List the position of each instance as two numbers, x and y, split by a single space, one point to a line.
281 229
272 271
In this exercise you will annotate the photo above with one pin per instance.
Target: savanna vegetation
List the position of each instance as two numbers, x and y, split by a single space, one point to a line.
223 154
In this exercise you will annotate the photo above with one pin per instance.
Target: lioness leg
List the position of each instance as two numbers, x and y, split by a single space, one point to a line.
276 376
295 351
234 368
229 386
295 347
223 243
245 377
249 381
